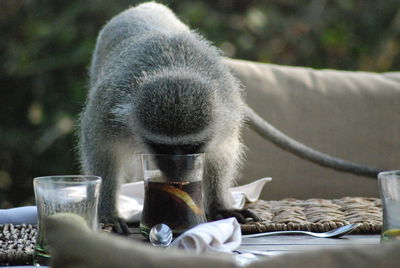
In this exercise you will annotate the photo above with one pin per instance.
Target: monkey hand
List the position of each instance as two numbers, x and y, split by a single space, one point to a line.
242 215
119 225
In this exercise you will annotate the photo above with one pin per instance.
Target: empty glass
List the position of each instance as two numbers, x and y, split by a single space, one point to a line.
64 194
389 184
173 191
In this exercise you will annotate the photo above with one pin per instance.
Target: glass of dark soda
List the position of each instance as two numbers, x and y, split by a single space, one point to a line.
173 191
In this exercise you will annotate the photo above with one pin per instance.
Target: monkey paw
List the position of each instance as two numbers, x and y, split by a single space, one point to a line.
242 215
119 225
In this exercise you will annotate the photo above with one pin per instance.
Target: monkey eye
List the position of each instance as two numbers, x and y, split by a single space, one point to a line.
191 149
159 148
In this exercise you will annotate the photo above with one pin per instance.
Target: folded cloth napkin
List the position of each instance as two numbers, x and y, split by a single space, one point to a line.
217 236
248 192
130 202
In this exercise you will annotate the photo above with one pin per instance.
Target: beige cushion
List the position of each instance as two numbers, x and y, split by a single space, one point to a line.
351 115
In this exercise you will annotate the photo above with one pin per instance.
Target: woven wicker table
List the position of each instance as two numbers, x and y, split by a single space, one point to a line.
320 215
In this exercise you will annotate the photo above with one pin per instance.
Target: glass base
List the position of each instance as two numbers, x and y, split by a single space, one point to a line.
41 257
144 230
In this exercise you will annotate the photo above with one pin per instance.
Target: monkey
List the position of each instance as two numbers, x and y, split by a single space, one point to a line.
156 86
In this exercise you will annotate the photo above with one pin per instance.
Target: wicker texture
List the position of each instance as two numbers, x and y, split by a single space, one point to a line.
318 215
16 244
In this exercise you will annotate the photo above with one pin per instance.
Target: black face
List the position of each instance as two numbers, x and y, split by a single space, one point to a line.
175 167
158 148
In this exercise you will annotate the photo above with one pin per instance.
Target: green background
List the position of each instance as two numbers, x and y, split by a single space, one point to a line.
46 46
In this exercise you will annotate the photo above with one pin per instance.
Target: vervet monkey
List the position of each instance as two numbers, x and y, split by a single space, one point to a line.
158 87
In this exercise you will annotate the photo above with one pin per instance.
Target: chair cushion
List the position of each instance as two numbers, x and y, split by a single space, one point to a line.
351 115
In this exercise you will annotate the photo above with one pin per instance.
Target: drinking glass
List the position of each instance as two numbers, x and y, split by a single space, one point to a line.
389 185
173 191
77 194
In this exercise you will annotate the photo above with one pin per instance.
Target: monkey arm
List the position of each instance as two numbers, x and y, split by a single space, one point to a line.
266 130
104 164
217 180
101 155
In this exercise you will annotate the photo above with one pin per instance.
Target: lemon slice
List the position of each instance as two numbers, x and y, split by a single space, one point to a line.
392 234
183 196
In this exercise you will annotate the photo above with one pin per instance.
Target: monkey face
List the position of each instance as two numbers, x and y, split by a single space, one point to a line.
170 159
158 148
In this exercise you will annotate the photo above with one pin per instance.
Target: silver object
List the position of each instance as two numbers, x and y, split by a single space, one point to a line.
335 233
160 235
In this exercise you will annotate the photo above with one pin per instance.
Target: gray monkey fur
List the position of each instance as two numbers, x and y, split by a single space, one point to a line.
156 86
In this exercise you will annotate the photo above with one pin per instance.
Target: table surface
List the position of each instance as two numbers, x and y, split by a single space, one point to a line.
274 245
261 247
281 244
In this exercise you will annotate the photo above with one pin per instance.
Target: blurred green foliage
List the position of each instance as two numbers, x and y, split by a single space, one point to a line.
46 46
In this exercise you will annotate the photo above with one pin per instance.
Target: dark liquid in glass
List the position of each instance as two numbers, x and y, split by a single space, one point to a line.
176 204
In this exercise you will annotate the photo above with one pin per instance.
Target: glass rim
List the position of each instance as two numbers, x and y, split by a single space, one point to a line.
66 178
388 173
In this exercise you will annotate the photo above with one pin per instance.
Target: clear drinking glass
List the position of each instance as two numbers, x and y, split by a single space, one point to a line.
389 184
64 194
173 191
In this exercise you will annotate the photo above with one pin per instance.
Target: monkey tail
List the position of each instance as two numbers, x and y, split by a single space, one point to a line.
283 141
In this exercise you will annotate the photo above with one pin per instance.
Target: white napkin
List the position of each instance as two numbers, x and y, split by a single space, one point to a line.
248 192
130 201
217 236
19 215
